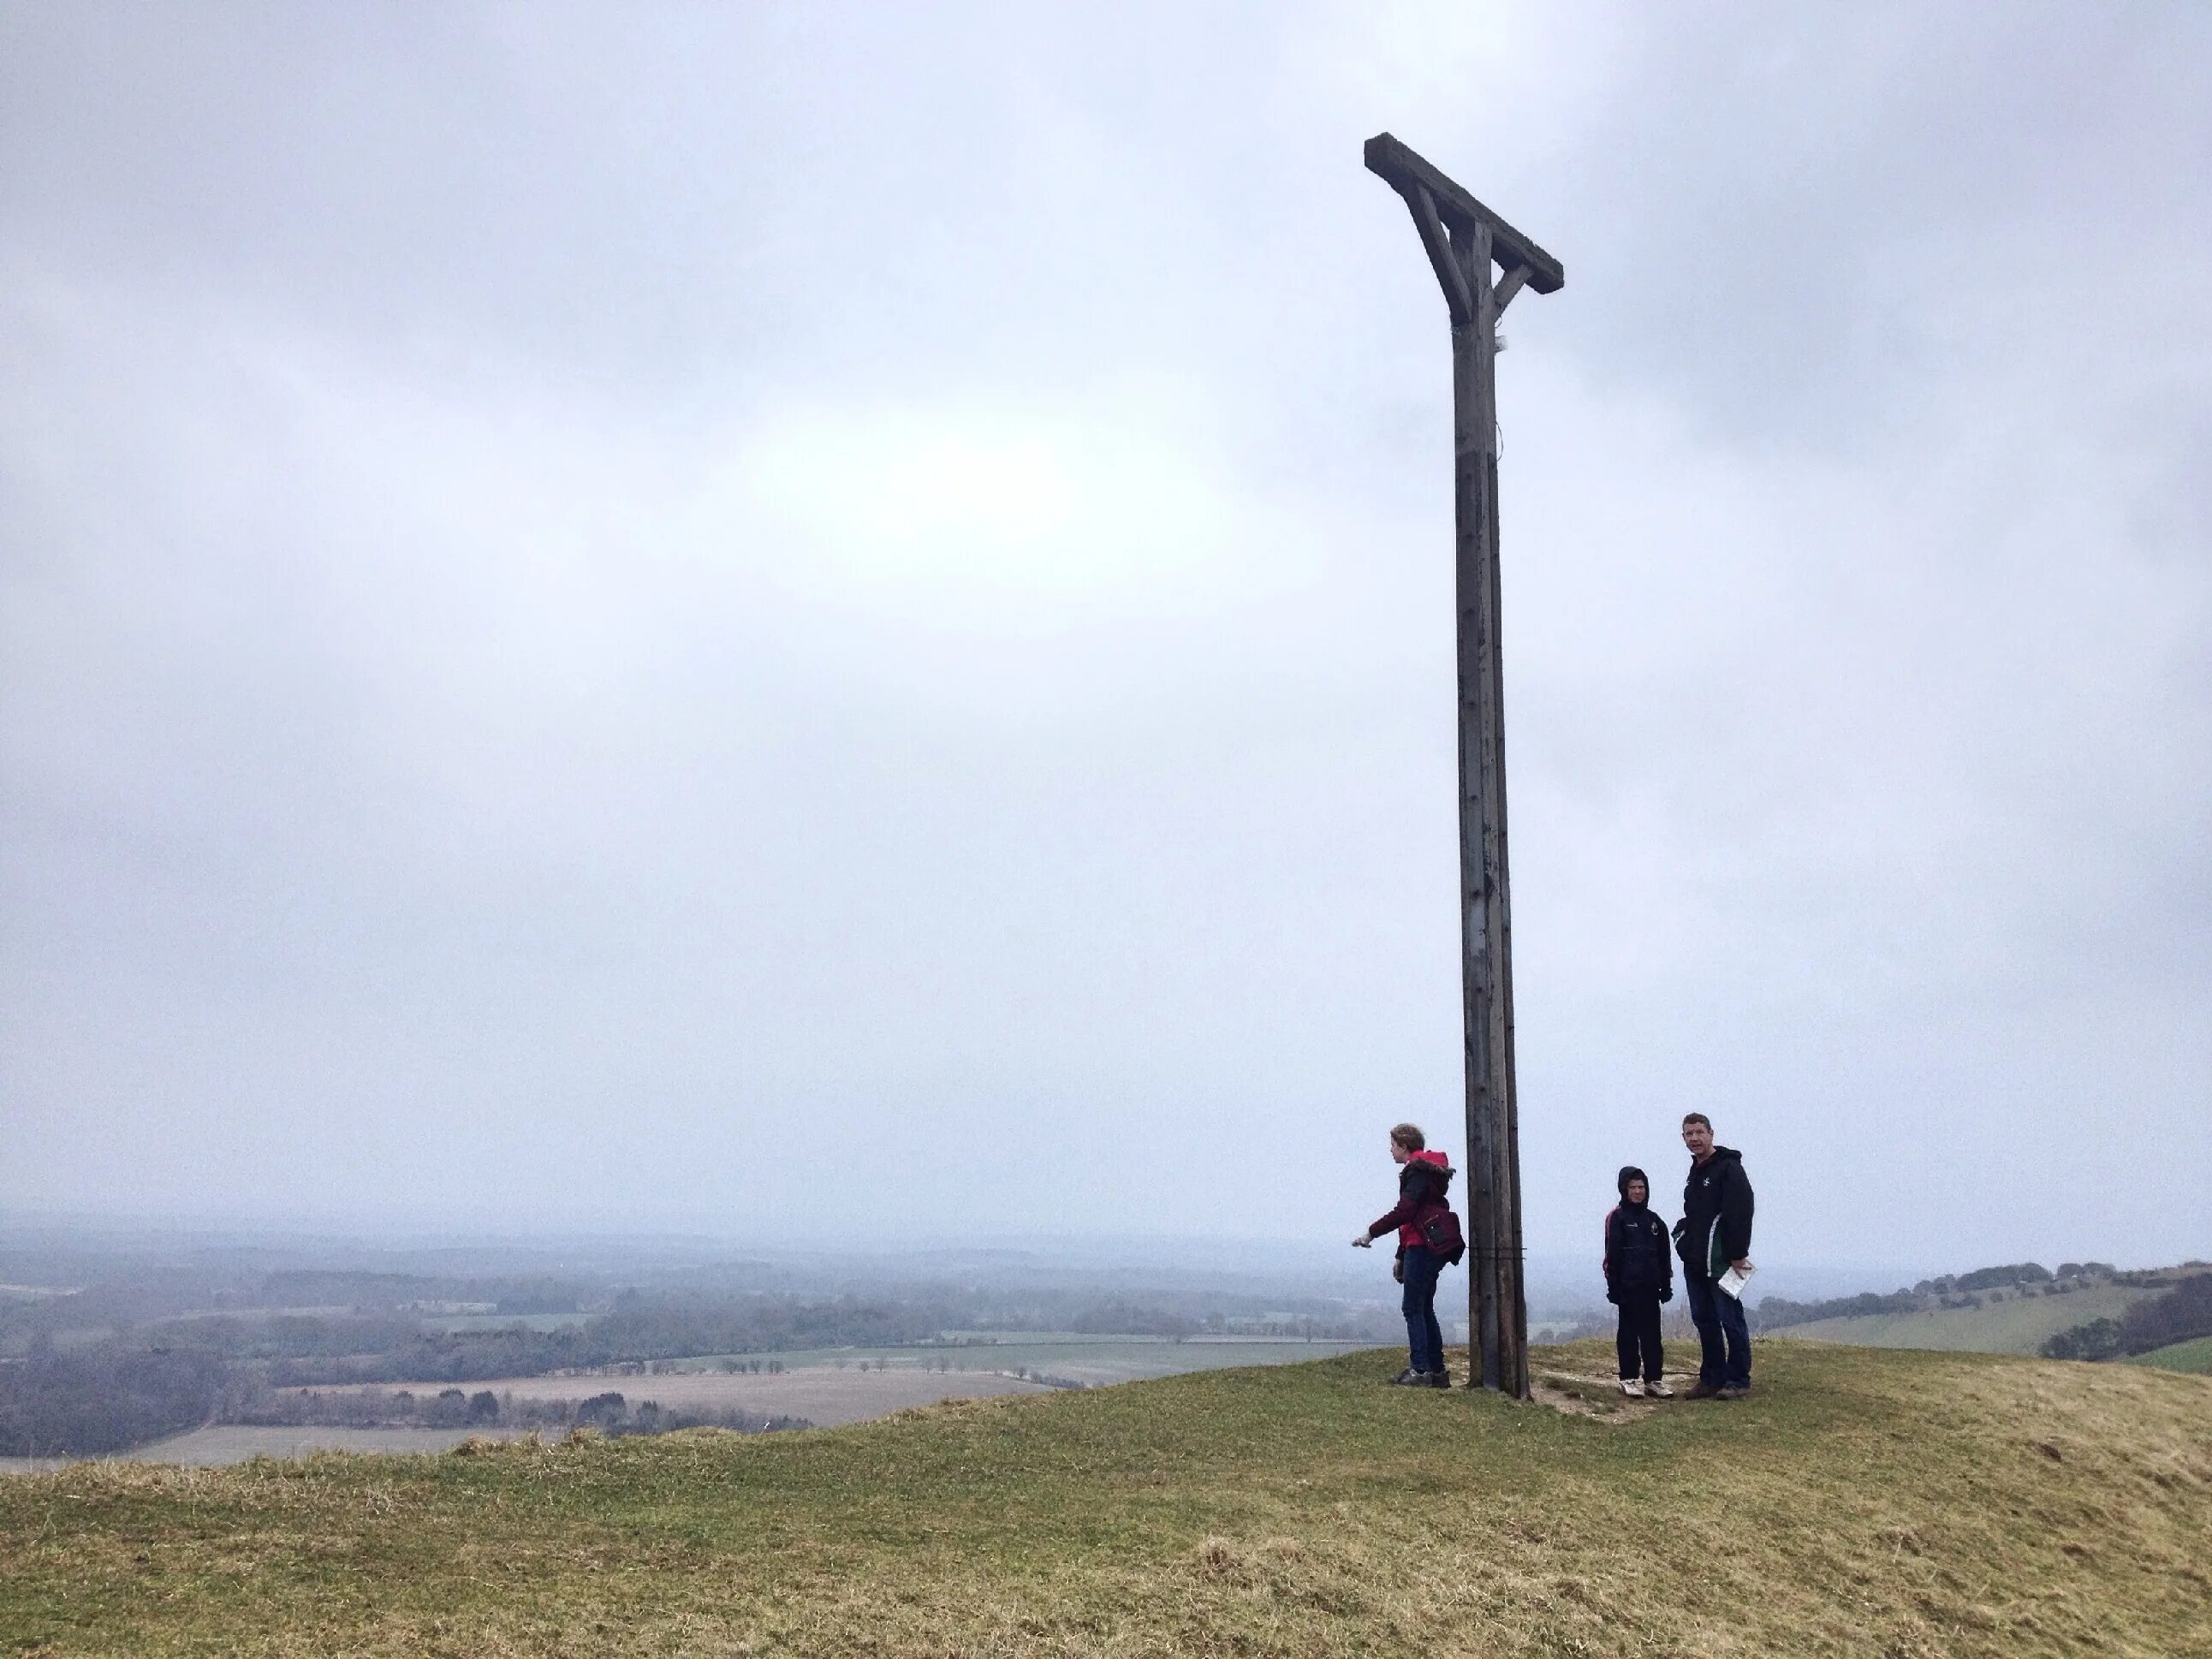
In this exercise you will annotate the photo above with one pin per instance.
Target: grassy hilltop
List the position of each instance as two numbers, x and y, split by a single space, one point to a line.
1864 1502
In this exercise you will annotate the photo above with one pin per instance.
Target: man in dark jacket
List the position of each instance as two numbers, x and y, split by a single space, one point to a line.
1713 1236
1639 1274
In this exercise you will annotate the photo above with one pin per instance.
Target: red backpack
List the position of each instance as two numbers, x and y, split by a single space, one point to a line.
1440 1231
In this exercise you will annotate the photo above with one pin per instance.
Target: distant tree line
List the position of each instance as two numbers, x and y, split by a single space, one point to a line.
2181 1314
1775 1312
319 1288
641 1331
106 1397
123 1390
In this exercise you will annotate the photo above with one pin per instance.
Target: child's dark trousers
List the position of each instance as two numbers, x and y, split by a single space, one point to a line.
1638 1337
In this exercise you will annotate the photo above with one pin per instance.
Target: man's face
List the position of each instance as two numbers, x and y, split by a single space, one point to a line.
1698 1138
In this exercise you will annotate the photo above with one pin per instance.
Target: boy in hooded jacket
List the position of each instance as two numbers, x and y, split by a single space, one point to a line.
1639 1275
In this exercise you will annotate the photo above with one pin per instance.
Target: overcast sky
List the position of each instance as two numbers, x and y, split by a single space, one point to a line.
813 621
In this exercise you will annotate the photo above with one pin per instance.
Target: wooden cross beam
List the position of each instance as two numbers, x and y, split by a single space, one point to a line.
1463 240
1408 173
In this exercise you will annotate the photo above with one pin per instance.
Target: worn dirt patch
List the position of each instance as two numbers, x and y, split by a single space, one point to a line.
1580 1394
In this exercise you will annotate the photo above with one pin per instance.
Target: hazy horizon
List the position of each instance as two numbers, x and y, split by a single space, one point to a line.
828 619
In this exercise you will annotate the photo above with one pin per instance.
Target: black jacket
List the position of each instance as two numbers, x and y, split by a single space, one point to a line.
1637 1262
1716 1225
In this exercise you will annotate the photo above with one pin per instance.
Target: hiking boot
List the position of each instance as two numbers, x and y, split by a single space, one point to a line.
1410 1378
1657 1389
1733 1391
1702 1390
1631 1387
1437 1380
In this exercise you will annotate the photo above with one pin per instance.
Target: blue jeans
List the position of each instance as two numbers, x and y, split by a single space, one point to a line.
1424 1336
1722 1334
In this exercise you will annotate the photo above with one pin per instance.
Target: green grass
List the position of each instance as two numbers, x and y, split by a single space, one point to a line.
2195 1356
1863 1502
2017 1325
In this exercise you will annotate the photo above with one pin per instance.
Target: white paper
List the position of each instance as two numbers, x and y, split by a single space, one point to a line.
1735 1280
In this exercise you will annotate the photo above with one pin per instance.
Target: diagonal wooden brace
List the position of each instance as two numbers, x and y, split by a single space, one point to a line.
1406 171
1510 284
1442 256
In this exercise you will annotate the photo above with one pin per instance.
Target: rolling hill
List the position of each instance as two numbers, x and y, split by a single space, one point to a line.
2014 1325
1863 1502
2195 1356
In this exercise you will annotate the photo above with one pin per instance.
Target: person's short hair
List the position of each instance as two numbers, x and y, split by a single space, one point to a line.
1409 1136
1688 1118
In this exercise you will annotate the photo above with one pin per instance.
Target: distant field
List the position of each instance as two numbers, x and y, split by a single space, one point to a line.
821 1395
496 1322
2194 1357
2018 1325
1096 1360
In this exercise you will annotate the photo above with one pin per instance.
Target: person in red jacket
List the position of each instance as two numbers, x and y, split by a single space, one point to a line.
1423 1179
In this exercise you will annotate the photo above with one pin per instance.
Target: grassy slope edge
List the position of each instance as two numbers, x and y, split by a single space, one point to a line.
2194 1356
1864 1501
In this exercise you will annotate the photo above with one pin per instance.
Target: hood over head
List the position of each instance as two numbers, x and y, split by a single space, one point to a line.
1436 1160
1629 1172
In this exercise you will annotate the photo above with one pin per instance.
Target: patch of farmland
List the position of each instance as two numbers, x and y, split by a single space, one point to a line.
821 1395
2196 1356
1096 1361
498 1322
2016 1324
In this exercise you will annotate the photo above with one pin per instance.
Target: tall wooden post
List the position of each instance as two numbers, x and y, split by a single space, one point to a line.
1464 239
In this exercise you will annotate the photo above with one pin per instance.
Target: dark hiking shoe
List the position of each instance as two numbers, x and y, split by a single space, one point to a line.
1437 1380
1410 1378
1733 1391
1701 1390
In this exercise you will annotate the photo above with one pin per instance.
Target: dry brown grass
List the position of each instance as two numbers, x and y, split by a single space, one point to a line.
1862 1502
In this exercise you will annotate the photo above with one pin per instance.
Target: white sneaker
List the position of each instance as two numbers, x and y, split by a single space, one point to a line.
1659 1390
1633 1387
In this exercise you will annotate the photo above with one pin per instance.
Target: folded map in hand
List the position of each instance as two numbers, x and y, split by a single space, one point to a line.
1736 1279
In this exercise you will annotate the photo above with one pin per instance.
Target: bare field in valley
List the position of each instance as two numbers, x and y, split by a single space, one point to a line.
823 1394
1094 1361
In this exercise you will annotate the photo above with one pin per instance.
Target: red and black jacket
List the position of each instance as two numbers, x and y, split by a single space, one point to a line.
1422 1184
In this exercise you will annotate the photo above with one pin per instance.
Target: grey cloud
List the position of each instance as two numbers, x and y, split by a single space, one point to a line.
468 747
